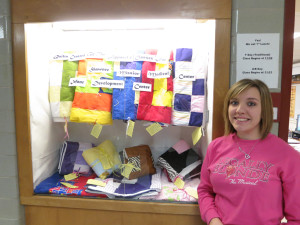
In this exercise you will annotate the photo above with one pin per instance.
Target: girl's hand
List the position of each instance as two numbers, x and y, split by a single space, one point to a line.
215 221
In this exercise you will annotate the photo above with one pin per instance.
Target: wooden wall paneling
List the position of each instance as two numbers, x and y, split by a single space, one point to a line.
58 216
222 69
26 11
22 112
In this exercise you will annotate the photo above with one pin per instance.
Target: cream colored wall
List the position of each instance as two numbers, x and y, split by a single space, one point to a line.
253 16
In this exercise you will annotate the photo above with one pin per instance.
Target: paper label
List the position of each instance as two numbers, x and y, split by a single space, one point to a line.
95 55
96 182
130 127
192 192
68 185
108 83
70 176
186 76
145 57
99 69
81 82
97 128
142 87
77 57
158 74
196 135
63 56
154 128
129 73
179 183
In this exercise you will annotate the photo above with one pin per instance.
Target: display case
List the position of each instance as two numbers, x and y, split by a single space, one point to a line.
35 130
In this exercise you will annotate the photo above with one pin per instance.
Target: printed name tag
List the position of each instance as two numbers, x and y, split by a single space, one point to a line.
93 55
141 87
76 57
187 77
108 83
145 57
122 58
81 82
61 57
129 73
159 74
96 69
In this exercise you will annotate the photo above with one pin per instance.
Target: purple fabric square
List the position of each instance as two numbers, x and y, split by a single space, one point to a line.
182 102
128 65
198 87
184 54
196 119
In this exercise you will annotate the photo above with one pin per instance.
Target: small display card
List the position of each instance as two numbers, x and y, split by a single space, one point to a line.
108 83
81 82
154 128
141 87
129 73
158 74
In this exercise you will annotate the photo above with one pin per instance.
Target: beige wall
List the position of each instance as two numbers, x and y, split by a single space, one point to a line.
255 16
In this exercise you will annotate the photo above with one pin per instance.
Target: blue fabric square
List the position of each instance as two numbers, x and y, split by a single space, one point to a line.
198 87
182 102
196 119
184 54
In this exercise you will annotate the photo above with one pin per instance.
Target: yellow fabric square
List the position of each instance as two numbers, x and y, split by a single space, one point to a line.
54 94
161 83
162 98
65 108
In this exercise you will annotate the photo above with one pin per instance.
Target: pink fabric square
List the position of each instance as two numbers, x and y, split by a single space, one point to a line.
181 146
197 103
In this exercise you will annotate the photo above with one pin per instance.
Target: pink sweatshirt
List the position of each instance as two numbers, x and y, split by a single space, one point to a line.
256 191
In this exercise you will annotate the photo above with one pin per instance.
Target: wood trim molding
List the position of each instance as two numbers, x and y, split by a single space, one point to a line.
287 65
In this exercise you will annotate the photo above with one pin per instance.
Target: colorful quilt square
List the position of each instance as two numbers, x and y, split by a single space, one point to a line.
182 102
198 87
197 104
184 54
183 87
180 118
196 119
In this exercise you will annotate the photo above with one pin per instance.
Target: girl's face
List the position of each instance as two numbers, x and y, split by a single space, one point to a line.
244 113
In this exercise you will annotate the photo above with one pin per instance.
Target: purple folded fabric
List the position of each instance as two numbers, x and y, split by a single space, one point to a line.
71 159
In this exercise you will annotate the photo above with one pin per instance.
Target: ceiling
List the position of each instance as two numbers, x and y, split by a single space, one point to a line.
296 57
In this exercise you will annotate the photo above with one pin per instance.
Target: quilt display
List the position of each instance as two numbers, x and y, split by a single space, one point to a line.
60 93
189 95
93 104
157 104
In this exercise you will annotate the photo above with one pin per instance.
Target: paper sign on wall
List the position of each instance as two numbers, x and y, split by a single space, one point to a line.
258 58
81 82
108 83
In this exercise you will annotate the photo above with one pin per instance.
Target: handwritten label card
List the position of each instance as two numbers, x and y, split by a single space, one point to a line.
108 83
141 87
81 82
154 128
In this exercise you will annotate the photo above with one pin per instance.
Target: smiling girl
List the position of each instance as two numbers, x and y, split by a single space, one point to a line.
249 176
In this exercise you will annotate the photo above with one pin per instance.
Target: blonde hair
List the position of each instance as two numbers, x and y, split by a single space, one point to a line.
266 105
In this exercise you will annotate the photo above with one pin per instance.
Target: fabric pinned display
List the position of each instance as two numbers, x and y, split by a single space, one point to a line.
60 94
185 165
156 105
140 157
124 103
189 94
93 104
71 159
103 159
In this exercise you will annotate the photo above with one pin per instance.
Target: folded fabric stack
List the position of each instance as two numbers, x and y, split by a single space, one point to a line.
53 185
71 159
189 96
103 159
148 184
60 94
157 104
93 104
183 165
170 192
124 100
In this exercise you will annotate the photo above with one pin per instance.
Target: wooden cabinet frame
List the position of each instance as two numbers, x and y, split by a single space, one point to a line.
59 210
